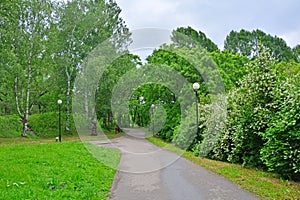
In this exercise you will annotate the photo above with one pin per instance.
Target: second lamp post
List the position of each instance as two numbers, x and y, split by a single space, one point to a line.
59 101
196 87
152 106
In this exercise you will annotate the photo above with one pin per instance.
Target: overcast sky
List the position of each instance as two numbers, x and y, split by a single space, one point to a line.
216 18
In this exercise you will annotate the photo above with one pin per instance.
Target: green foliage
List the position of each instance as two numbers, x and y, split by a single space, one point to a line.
185 134
55 171
46 124
212 121
231 66
262 126
43 45
166 114
118 68
296 51
247 43
251 102
189 37
281 151
10 126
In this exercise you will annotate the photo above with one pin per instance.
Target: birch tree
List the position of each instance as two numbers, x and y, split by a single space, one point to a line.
29 60
84 24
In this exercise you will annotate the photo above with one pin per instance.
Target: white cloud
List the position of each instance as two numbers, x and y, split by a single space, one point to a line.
216 18
139 13
292 38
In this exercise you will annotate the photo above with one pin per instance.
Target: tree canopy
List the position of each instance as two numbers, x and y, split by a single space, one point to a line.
189 37
247 43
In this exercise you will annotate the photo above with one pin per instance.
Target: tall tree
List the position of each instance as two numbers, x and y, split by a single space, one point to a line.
190 38
29 60
84 24
247 43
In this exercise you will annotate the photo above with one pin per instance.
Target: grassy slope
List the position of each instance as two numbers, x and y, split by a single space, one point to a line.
55 171
265 185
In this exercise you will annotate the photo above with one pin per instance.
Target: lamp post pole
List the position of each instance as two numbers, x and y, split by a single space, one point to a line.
196 87
152 106
59 120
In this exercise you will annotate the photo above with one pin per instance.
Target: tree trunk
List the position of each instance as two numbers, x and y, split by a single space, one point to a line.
128 118
104 122
86 105
26 113
93 124
119 120
16 97
110 118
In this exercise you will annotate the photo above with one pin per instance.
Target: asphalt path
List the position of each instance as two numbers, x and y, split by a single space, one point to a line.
147 171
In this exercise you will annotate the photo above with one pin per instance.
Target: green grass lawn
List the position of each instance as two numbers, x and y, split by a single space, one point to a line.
265 185
68 138
64 170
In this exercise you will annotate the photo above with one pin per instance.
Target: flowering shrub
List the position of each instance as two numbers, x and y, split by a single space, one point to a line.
262 128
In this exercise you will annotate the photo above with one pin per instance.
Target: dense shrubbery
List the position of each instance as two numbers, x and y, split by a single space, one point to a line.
10 126
262 126
261 123
46 124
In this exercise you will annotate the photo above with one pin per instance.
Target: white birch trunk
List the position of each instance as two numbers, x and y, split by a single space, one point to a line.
86 105
26 113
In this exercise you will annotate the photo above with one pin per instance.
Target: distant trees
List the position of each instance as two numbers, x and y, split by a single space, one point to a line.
247 43
189 37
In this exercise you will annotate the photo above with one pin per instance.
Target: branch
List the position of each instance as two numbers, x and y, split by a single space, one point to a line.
36 98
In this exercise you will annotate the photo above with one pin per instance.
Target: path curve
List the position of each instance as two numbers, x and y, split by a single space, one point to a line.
148 172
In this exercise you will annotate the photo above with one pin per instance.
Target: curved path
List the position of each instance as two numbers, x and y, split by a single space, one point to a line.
150 172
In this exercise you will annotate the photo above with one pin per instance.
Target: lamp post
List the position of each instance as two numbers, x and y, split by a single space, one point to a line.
152 106
59 101
196 87
140 113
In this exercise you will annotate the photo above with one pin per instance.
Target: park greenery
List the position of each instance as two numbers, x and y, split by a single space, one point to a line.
44 47
55 171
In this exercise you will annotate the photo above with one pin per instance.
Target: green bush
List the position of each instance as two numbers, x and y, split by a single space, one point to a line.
263 123
46 124
186 133
281 152
10 126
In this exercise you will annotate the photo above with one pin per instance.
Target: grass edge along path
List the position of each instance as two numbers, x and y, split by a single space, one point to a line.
64 170
263 184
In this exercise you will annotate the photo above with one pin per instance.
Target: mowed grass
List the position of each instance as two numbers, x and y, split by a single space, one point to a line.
65 138
64 170
263 184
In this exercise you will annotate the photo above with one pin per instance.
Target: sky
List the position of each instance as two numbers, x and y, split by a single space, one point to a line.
216 18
